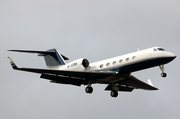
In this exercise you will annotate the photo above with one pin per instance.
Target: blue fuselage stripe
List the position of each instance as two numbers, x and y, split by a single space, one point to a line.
142 65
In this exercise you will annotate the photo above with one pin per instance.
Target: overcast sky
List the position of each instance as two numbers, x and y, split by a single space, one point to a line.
92 29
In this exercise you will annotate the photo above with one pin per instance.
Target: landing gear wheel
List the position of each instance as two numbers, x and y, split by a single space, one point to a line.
162 69
163 74
114 93
89 89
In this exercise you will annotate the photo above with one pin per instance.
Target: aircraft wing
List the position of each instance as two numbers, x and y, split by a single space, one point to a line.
129 83
77 77
74 74
134 82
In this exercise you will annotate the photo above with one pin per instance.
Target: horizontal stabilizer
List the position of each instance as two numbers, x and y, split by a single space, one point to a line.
41 53
31 51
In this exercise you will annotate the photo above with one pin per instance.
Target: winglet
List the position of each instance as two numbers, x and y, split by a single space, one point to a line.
12 63
149 82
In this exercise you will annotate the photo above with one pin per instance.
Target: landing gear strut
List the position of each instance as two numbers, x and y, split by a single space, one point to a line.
162 69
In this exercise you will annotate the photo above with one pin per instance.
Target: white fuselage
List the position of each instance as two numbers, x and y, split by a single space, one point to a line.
133 61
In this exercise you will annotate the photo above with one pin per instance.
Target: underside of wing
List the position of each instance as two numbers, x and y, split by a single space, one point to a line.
119 88
63 79
65 76
69 77
77 74
136 83
128 84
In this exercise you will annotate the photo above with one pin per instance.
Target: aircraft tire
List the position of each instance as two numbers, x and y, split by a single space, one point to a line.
114 93
163 74
89 89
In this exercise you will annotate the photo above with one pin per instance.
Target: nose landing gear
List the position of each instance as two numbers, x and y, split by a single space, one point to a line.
163 75
162 69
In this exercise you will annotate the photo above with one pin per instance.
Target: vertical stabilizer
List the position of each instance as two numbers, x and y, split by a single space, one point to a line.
53 59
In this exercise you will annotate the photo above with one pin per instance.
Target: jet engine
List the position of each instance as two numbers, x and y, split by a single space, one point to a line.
78 64
85 63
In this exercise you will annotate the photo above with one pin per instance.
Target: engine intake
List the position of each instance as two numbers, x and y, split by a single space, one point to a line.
85 63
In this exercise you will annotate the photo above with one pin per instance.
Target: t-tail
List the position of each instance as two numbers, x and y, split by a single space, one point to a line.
52 57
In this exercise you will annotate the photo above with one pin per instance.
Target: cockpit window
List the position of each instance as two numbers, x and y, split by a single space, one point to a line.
161 49
154 49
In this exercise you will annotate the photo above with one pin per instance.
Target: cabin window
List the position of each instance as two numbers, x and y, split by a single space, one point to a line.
108 64
120 61
101 66
114 62
74 64
127 59
68 66
155 49
134 57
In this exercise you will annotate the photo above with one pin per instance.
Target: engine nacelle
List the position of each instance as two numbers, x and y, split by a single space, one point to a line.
85 63
78 64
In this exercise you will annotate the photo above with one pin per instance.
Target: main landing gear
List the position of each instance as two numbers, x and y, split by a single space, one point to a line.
162 69
114 93
89 89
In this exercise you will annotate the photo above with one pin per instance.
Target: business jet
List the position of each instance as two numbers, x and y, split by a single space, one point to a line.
115 72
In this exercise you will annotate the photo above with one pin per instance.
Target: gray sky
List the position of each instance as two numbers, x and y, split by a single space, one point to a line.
95 30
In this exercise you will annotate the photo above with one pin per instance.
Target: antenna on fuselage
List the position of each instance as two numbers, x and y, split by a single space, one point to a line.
138 49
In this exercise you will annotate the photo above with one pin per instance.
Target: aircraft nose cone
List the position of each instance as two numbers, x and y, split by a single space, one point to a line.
172 56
